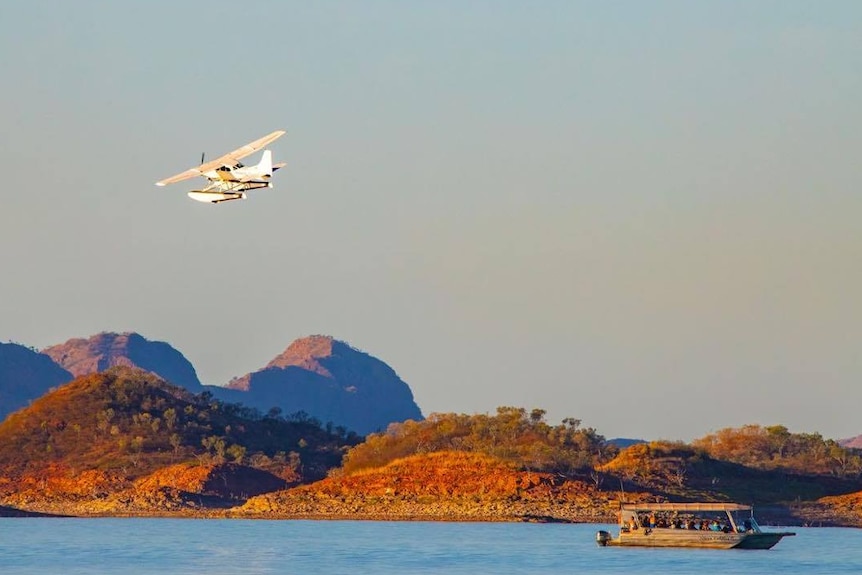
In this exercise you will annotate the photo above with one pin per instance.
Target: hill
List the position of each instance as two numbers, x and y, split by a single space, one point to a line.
101 433
332 382
847 509
125 442
85 356
447 486
26 375
792 478
682 472
514 435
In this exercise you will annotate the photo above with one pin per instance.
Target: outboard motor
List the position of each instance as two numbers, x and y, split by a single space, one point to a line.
603 538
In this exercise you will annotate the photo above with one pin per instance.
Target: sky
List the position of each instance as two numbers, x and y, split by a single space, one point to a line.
644 215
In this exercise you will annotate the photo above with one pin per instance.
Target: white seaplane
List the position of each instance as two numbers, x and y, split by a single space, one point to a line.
229 178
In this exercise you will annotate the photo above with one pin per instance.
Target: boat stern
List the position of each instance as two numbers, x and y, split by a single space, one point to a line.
603 538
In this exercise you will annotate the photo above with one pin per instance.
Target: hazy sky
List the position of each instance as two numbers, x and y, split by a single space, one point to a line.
646 215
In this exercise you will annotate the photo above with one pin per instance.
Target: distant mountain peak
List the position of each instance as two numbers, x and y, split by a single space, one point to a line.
852 442
307 352
110 349
318 376
310 353
330 380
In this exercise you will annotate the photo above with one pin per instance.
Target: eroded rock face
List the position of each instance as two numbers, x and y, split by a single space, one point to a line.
226 480
85 356
182 489
26 375
446 486
331 381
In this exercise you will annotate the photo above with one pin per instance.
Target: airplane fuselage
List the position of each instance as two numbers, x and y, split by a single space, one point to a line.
238 173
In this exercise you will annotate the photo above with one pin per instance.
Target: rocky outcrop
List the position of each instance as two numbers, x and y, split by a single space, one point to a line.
102 351
182 489
839 510
443 486
329 380
226 480
26 375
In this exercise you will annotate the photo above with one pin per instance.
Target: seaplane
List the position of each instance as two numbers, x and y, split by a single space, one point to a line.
228 178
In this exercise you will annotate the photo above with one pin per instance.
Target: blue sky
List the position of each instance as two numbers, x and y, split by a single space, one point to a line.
641 214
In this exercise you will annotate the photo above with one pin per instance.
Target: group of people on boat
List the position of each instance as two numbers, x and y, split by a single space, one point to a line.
678 522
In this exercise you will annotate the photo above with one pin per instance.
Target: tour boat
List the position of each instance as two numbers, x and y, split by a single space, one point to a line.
706 525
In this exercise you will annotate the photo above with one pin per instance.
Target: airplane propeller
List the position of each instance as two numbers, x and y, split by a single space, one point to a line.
202 157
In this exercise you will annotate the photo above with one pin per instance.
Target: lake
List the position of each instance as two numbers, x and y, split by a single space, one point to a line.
234 547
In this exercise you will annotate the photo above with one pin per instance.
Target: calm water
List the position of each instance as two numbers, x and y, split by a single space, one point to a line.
179 547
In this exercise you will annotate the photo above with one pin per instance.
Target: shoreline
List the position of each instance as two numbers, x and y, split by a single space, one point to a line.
771 517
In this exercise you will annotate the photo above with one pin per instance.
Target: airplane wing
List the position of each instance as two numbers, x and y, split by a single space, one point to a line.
248 149
180 177
229 159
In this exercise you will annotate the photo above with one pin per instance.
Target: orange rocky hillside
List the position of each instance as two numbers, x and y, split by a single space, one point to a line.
445 485
837 509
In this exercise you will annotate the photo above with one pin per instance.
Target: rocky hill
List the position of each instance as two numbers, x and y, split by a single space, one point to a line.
127 434
835 510
124 442
85 356
25 375
514 466
185 489
331 381
443 486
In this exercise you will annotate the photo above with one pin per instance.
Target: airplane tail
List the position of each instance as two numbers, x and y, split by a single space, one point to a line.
265 165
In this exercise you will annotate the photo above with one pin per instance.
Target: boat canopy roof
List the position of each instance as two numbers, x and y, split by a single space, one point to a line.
684 507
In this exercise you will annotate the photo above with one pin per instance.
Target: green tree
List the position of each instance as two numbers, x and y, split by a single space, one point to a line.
170 417
236 452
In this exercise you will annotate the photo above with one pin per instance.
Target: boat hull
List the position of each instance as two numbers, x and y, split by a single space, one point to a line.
696 539
762 540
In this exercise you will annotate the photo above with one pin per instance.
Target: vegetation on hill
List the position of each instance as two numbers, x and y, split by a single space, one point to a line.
774 447
748 474
512 434
749 464
128 422
126 442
